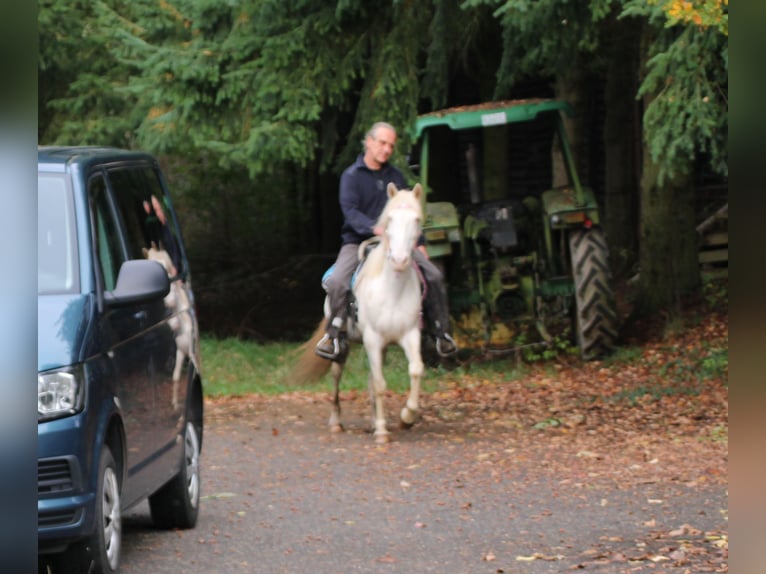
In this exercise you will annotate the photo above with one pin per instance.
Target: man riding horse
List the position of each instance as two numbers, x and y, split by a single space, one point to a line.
362 199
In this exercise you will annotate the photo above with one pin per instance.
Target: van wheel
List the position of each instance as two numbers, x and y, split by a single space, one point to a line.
176 505
99 554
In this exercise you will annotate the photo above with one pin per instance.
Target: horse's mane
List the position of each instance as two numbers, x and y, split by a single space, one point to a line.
373 265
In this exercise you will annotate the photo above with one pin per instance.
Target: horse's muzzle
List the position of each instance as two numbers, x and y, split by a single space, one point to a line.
400 264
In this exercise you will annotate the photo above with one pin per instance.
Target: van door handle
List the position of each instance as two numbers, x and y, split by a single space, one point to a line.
140 315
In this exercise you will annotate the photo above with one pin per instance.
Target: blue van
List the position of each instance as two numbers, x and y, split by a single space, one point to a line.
119 389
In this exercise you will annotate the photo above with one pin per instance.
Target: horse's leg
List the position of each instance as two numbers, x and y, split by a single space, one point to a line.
335 425
411 345
374 346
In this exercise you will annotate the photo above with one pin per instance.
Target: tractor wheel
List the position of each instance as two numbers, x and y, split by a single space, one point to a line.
596 320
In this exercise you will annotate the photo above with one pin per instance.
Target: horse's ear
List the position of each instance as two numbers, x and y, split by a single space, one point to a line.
391 190
417 191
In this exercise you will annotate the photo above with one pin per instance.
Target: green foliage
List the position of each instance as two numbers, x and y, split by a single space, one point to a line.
79 99
542 37
714 364
264 84
702 13
547 423
623 356
653 392
716 292
686 86
559 346
257 98
259 84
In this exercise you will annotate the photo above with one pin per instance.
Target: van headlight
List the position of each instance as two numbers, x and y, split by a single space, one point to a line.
59 393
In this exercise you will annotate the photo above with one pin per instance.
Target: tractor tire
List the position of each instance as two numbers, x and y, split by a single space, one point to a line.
596 320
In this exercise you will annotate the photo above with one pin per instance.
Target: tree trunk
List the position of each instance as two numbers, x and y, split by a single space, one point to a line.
668 252
669 247
570 88
622 139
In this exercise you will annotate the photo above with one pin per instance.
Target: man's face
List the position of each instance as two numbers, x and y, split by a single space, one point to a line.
380 147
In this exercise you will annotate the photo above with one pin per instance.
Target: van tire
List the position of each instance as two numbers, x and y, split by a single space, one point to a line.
101 553
176 505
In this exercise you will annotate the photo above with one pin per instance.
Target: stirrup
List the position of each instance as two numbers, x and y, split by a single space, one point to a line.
326 354
450 344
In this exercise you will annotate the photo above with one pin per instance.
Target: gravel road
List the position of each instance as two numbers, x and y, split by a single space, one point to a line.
283 495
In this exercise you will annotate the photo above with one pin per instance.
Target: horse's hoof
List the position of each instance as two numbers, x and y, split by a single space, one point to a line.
336 428
407 418
382 438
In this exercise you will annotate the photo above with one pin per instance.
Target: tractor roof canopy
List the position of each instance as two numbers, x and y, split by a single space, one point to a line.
488 114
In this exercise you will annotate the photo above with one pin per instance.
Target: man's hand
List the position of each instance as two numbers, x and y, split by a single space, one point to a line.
378 230
423 250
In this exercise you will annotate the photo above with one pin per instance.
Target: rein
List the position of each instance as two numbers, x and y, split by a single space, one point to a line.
423 291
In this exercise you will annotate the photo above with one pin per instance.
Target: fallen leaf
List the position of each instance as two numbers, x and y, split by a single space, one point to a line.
588 454
538 556
678 555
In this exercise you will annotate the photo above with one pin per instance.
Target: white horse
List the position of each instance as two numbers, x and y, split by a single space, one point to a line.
388 292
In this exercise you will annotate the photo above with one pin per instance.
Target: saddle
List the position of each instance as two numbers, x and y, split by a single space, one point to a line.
364 250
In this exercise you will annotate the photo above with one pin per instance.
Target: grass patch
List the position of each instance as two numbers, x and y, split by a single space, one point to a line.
719 433
624 356
715 364
235 367
637 394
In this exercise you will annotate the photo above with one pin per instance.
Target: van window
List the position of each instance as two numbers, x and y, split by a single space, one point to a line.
147 220
108 244
169 235
57 264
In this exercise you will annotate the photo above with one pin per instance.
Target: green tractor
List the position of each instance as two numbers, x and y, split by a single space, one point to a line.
525 263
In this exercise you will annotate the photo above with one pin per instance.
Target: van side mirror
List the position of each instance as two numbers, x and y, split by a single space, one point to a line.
139 281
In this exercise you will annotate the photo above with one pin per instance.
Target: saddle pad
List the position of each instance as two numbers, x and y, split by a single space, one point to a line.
331 268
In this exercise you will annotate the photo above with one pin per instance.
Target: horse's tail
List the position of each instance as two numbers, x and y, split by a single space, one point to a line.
309 367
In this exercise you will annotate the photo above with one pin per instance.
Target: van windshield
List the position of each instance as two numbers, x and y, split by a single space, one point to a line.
57 266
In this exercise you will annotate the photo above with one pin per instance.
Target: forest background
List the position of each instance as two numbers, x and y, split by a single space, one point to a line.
256 106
